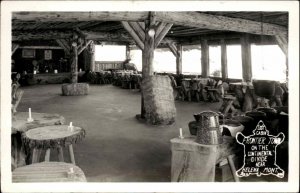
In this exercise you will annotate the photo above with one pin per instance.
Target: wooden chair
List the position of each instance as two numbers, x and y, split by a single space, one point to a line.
186 89
228 99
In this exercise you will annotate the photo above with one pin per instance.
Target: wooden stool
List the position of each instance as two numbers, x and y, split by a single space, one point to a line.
52 137
227 104
48 172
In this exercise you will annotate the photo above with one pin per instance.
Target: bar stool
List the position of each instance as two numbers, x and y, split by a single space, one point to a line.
52 137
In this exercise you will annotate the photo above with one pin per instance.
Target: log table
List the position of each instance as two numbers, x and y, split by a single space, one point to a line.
194 162
20 125
48 172
52 137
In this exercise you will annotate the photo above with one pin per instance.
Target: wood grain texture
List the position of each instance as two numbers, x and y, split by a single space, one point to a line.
224 67
207 21
194 162
246 58
133 34
204 58
179 59
48 172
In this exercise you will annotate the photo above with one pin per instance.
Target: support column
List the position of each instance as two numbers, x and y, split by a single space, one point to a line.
246 58
204 59
224 60
127 52
179 59
74 63
92 56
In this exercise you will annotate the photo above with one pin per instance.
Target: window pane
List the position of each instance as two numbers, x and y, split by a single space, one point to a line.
268 62
136 58
234 61
110 53
191 60
215 61
164 61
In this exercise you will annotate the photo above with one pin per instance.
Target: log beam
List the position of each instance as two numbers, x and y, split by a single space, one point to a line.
74 63
282 42
133 34
215 22
204 59
85 46
46 35
92 56
79 16
179 59
63 44
138 30
224 60
172 48
14 47
162 34
246 58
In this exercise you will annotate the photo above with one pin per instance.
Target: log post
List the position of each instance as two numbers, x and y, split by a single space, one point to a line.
127 51
246 58
179 59
92 56
74 63
224 60
204 58
148 54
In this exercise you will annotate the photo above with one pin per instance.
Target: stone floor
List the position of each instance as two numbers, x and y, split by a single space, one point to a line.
117 148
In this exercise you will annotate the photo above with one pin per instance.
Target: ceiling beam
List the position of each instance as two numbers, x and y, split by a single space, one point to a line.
215 22
79 16
45 35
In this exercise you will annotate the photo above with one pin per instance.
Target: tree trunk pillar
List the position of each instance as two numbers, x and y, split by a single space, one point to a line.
179 59
246 58
204 59
224 60
74 63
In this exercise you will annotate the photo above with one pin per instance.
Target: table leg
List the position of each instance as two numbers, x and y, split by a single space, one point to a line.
232 168
72 154
60 154
15 151
47 155
34 156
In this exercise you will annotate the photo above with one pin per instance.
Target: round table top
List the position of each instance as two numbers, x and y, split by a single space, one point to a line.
20 123
52 136
48 172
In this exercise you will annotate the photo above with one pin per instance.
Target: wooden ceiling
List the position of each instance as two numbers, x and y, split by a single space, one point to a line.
110 29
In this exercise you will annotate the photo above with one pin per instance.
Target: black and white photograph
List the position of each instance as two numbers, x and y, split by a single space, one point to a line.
142 95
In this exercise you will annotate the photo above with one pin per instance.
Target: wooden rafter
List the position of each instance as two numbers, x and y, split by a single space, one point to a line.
133 34
215 22
14 47
63 43
85 46
138 30
162 34
282 43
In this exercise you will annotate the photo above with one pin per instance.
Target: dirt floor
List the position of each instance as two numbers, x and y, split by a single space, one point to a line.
117 147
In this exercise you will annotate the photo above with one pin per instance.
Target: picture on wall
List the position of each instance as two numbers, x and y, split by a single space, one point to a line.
48 54
28 53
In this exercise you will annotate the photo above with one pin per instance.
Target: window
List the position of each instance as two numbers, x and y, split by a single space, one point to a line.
191 60
215 61
110 53
268 63
136 58
28 53
234 61
164 61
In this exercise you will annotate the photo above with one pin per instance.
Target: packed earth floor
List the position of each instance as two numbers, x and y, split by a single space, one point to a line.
117 147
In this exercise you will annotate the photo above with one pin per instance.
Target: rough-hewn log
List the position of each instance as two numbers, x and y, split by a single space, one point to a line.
224 60
136 38
282 43
92 56
148 52
159 28
74 63
45 35
85 46
246 58
172 48
14 47
127 52
208 21
42 47
204 59
79 16
179 59
63 43
138 30
162 34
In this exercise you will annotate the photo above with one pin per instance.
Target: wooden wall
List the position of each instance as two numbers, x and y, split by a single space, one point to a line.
22 63
100 65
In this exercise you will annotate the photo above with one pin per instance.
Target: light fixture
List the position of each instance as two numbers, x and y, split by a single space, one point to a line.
151 32
74 44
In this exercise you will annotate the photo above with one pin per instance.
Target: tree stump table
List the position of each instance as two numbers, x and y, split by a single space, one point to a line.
75 89
21 125
48 172
52 137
